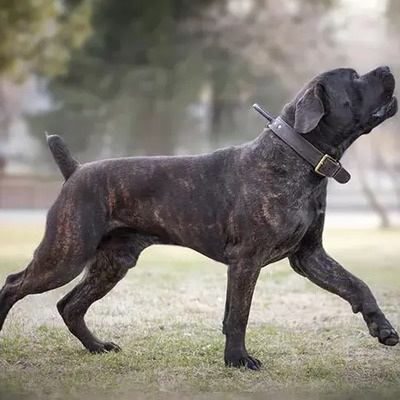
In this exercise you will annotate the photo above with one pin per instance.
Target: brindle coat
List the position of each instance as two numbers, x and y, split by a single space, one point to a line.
245 206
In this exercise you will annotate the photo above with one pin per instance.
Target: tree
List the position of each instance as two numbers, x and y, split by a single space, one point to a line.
135 76
261 52
36 38
37 35
385 156
128 90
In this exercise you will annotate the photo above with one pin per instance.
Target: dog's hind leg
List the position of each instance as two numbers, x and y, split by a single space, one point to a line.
101 276
115 255
39 276
67 246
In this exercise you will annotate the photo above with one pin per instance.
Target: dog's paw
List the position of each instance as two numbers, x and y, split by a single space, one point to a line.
381 328
103 347
245 361
385 334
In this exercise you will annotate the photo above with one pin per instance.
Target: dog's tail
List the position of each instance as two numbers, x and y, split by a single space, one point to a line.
62 156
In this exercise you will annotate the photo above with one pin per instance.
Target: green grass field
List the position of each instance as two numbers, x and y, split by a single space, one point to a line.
166 315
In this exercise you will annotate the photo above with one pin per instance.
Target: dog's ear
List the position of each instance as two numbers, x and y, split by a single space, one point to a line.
309 110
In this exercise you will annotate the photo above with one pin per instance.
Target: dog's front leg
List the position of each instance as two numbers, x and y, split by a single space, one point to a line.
242 280
320 268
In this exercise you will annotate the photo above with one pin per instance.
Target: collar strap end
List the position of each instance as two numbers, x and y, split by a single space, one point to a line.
330 168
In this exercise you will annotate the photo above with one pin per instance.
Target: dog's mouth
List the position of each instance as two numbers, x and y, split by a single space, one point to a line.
387 110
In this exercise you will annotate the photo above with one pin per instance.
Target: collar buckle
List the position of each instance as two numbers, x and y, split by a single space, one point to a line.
327 166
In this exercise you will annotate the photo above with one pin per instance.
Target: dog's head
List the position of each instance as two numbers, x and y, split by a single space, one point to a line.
338 106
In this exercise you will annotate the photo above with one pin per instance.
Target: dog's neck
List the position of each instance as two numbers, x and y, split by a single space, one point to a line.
270 150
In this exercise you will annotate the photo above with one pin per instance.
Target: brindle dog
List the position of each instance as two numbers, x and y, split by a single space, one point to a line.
244 206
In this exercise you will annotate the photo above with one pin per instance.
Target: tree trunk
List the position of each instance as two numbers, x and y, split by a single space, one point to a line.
376 206
5 124
392 174
216 111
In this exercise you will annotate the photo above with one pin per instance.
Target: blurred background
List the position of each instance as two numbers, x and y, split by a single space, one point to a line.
118 78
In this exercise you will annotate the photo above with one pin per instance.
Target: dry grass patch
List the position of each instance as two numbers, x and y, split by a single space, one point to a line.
167 313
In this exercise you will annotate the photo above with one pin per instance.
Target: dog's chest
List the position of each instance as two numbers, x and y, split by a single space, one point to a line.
275 226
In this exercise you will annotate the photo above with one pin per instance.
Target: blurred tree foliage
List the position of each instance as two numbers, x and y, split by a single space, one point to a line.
393 24
150 68
128 88
37 37
393 12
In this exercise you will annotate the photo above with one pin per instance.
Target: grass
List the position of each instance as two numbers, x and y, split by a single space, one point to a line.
166 315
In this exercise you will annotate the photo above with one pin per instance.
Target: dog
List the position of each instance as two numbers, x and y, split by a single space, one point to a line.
245 206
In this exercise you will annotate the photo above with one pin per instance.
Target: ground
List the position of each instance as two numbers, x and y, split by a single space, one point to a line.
166 315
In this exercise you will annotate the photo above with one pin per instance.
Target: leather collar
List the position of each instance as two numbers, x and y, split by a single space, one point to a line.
323 164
